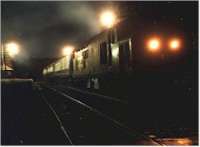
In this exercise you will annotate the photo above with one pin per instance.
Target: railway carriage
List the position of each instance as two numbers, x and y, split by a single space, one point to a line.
126 48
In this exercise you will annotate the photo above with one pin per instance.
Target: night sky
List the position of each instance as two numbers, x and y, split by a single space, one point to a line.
43 28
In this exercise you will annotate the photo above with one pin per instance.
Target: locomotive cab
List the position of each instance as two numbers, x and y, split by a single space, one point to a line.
149 46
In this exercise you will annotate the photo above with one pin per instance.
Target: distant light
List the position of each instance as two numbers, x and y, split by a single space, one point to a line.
108 19
153 45
67 50
175 141
184 141
12 49
174 44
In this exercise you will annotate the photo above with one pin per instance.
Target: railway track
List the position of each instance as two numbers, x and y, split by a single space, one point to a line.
125 113
115 107
85 124
128 114
97 95
58 120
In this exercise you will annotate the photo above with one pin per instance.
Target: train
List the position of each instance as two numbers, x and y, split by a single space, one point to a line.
127 48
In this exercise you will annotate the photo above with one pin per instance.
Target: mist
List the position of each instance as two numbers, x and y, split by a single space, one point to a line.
43 28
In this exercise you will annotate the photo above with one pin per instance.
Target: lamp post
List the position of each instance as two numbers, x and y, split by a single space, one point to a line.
11 49
108 20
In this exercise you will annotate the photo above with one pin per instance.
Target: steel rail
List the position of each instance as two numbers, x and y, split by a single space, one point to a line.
117 123
56 116
98 95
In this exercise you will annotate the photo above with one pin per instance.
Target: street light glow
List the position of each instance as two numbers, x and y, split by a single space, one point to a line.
108 19
67 50
12 49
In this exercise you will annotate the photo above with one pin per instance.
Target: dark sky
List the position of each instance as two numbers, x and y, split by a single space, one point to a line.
42 28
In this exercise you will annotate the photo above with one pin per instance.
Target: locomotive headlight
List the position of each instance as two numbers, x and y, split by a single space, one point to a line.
154 45
174 44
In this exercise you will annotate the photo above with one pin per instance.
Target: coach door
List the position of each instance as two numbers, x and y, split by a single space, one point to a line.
124 55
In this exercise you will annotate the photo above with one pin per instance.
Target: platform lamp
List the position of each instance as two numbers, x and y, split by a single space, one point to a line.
12 49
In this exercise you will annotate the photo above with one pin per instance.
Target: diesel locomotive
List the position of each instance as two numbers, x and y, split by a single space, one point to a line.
126 48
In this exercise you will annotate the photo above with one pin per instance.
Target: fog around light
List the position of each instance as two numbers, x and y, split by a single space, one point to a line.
67 50
107 19
12 49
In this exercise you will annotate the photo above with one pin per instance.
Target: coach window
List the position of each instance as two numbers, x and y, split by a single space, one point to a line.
76 65
124 54
113 35
103 53
92 51
85 54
